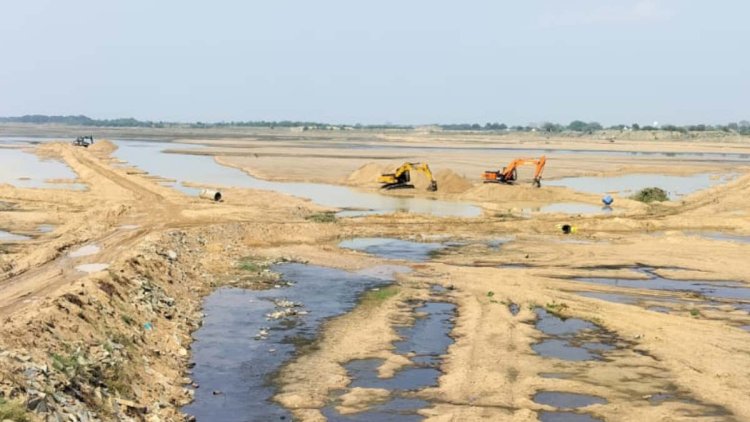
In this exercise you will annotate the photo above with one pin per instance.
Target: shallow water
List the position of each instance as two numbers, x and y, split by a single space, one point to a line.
399 409
728 237
424 343
676 186
86 250
26 170
393 248
694 156
45 228
709 289
12 237
566 417
233 357
570 339
565 400
204 170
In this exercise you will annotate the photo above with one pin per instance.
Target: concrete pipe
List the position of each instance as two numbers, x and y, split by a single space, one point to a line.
213 195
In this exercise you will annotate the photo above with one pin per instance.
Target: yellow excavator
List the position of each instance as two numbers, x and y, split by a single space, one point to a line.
401 177
509 174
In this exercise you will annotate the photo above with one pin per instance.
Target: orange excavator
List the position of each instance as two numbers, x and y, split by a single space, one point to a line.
509 174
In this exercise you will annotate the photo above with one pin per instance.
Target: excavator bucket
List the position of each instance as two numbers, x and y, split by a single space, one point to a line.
433 186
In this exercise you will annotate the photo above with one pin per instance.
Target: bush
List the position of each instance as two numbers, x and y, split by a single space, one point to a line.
651 194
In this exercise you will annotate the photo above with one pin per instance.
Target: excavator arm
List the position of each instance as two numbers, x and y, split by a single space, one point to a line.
402 176
509 174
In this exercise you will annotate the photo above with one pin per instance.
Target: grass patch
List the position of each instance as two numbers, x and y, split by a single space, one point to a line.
322 217
649 195
251 264
556 309
67 364
14 411
695 312
380 295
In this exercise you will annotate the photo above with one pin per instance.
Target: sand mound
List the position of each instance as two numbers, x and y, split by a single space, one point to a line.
450 182
103 146
447 180
493 192
368 174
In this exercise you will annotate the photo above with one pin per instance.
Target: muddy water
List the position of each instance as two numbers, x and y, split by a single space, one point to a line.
676 186
424 342
393 248
238 348
204 170
26 170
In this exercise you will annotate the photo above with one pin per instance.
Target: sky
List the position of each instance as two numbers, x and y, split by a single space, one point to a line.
385 61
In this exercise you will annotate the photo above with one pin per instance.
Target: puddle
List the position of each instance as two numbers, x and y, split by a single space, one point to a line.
11 237
45 228
26 170
498 243
398 409
711 289
393 248
574 208
237 349
514 308
728 237
85 251
204 170
423 343
626 298
676 186
566 417
92 268
563 400
571 339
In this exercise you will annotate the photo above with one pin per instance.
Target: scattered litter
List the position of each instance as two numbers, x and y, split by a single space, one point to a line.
567 228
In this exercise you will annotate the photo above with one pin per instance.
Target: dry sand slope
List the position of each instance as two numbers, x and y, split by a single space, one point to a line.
83 336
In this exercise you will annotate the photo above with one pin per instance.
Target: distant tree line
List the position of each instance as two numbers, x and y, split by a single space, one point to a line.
742 127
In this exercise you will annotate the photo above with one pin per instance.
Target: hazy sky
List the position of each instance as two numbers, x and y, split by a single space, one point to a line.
408 61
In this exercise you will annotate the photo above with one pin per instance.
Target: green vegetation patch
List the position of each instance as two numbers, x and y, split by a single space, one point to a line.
648 195
380 295
13 411
322 217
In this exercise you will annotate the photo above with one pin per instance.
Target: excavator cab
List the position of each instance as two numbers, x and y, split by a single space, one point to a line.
509 174
401 178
